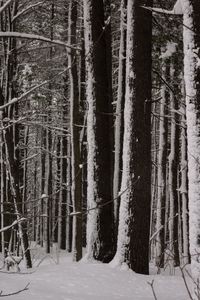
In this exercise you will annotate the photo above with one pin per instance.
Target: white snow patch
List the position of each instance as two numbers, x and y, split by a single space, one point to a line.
170 50
96 281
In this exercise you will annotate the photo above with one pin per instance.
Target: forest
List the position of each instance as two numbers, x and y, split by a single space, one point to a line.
100 140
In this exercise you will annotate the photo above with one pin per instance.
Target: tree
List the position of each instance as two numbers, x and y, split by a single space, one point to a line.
119 113
133 232
99 222
75 139
161 173
191 29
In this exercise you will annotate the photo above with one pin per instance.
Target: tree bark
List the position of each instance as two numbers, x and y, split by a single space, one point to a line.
134 229
161 174
100 218
75 138
119 126
191 29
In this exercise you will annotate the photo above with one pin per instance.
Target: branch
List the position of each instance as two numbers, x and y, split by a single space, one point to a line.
14 293
177 9
15 100
152 288
23 35
13 224
5 5
25 10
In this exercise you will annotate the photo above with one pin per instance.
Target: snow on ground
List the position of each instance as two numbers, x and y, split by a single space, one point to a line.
88 281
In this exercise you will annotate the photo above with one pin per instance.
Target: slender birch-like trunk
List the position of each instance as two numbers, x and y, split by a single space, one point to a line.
184 187
119 128
161 173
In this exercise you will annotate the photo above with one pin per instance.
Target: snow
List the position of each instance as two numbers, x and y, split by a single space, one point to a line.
170 50
89 281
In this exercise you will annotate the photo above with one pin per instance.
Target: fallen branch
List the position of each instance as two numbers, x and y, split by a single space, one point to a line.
152 288
15 293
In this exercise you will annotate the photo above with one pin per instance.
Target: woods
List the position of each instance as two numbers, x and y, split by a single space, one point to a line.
99 132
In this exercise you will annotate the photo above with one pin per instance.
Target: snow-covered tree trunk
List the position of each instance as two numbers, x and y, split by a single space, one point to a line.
119 113
100 218
161 173
191 29
173 172
133 232
184 187
75 143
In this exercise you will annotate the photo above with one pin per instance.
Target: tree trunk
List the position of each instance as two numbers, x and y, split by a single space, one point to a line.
191 29
100 215
75 140
173 174
161 174
119 126
184 188
134 229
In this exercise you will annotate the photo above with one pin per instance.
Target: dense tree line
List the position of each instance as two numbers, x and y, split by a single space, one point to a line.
100 130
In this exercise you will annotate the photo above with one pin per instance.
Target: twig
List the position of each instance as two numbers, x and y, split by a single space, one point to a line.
186 285
14 293
152 288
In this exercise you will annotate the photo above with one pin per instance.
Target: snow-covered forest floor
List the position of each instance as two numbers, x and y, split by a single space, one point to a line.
65 280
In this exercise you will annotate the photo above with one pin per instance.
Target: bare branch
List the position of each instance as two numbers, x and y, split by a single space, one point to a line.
15 100
22 35
14 293
25 10
5 5
152 288
13 224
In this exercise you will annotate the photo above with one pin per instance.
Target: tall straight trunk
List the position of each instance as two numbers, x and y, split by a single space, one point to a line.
75 139
184 188
134 229
49 175
173 173
161 173
191 29
108 40
42 184
68 222
119 128
100 215
15 191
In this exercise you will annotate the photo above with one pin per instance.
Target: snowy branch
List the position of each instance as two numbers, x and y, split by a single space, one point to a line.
25 10
5 5
23 35
177 9
13 224
15 100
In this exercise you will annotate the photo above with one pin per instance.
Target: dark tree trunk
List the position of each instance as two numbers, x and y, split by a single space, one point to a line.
75 138
134 228
100 220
